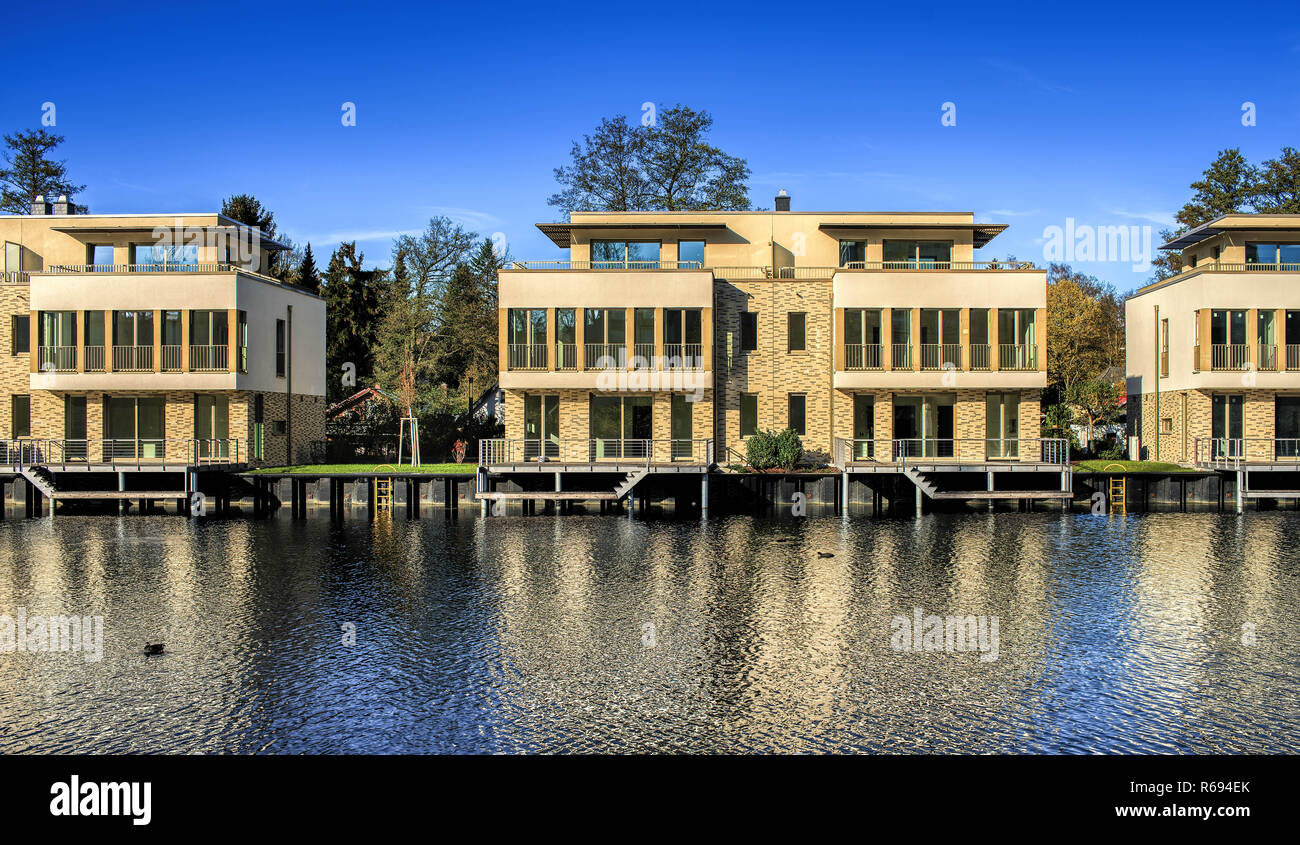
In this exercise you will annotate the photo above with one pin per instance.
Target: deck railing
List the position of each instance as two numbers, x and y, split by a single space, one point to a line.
596 450
901 451
139 452
1233 452
913 264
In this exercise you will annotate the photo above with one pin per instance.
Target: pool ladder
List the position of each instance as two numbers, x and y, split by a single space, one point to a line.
1118 494
384 494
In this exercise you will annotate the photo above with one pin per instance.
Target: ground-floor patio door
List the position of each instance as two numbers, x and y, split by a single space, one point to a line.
212 426
74 428
133 427
541 426
1286 426
1002 425
926 425
864 426
1227 424
621 426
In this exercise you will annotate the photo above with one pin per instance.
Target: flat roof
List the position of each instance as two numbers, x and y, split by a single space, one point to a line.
983 232
562 233
1226 222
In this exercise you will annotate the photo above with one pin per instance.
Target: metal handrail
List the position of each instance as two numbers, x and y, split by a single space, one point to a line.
1050 450
94 358
604 265
604 356
209 357
526 356
1233 452
133 358
683 356
140 452
165 267
980 357
1017 356
915 264
1229 356
596 450
566 356
940 356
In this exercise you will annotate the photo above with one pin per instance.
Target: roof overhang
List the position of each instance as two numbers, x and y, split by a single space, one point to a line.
110 231
982 232
561 234
1192 237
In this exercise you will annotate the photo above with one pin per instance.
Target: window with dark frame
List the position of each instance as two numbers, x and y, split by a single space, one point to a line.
795 325
797 413
748 414
20 423
748 331
20 339
279 348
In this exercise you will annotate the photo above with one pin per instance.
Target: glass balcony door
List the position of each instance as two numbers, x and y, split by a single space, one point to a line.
541 427
1002 425
212 426
1227 424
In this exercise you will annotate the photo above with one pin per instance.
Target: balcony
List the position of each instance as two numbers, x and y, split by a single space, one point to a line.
142 453
1239 452
941 356
1267 359
1229 356
95 359
902 356
59 359
566 356
208 358
938 265
133 359
526 356
1018 357
605 356
171 358
979 357
863 356
683 356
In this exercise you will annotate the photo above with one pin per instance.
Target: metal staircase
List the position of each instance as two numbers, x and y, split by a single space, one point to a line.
929 488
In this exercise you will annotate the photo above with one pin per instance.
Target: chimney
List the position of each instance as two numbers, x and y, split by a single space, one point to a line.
64 206
782 201
40 206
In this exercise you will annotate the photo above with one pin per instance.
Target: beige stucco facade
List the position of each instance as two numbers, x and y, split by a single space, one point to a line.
210 334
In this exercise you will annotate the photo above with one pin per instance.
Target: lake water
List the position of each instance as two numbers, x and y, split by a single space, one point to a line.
1160 633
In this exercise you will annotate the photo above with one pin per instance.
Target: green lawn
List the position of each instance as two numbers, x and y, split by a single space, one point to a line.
329 469
1129 466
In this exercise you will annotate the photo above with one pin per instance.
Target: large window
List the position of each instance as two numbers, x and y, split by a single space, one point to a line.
210 340
683 336
604 331
101 256
1280 256
153 255
133 425
690 253
904 255
617 255
13 258
621 426
852 252
795 331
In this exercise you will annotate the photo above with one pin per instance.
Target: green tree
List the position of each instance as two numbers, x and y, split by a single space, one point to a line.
247 209
29 172
467 335
308 275
352 306
1278 190
407 335
1095 401
667 165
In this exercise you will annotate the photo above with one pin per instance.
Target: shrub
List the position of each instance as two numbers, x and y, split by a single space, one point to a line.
771 450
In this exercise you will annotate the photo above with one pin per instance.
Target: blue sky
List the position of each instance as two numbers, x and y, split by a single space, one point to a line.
1062 111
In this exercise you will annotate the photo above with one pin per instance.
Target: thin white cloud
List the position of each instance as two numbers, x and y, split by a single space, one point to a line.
468 217
1164 218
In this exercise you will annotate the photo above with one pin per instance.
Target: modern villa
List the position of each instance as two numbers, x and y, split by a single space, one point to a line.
1213 354
664 341
151 341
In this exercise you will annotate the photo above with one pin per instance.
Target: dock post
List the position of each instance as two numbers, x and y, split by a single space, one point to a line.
844 493
122 504
704 492
1241 476
918 501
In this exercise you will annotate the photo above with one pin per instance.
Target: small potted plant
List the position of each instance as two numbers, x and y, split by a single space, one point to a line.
458 451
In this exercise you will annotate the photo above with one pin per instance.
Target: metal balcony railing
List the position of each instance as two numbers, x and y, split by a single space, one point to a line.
1293 356
980 357
209 357
643 355
95 359
605 356
526 356
683 356
914 264
1017 356
902 356
862 356
60 359
941 356
1267 360
1229 356
166 267
566 356
15 277
170 358
133 359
